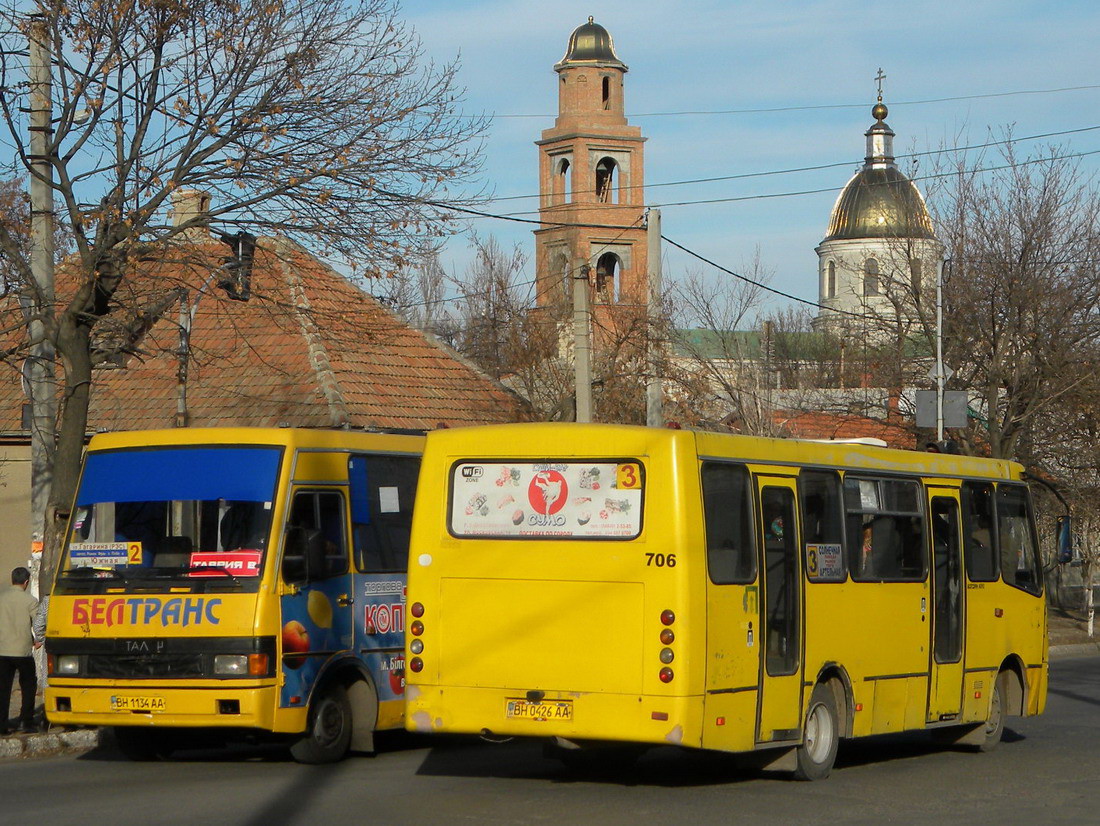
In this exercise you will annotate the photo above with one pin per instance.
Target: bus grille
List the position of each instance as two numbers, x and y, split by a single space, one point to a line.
113 666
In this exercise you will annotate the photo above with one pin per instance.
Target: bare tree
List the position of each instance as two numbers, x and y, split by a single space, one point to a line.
712 317
492 305
316 120
1022 288
418 293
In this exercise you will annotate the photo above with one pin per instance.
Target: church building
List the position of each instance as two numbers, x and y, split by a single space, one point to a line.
880 254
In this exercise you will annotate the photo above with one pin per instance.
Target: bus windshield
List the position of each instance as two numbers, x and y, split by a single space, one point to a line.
189 512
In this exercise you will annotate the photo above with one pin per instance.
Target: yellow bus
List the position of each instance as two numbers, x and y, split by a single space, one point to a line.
235 582
617 584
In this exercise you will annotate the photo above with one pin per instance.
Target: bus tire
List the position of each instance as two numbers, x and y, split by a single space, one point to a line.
821 736
141 745
989 734
328 735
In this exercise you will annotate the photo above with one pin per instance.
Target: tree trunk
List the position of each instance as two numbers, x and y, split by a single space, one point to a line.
74 349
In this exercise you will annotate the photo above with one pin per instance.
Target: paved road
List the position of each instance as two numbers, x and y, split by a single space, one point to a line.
1046 771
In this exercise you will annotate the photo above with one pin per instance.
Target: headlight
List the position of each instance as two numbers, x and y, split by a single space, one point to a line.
231 665
68 665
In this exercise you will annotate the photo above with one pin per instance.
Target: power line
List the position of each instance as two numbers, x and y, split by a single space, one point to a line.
735 198
764 286
832 165
811 107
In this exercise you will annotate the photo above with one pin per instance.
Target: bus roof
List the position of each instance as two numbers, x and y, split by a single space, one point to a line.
285 436
541 440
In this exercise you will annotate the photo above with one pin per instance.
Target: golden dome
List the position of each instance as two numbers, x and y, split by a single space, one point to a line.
591 44
879 202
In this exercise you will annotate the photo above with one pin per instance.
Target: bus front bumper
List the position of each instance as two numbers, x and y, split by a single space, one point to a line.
222 706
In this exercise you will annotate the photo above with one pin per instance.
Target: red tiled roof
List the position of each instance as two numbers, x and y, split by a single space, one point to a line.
816 425
308 349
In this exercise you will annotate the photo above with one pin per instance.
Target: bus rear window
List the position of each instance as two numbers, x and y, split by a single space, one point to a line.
581 500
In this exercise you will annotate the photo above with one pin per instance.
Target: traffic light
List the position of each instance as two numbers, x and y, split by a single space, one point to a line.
237 281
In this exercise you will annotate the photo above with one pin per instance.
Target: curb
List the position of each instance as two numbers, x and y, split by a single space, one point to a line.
48 743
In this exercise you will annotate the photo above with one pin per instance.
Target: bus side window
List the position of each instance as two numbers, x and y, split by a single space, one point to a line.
822 525
727 514
1019 565
978 531
885 529
382 492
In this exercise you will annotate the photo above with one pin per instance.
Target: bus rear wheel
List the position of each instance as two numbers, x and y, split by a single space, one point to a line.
329 733
989 734
821 737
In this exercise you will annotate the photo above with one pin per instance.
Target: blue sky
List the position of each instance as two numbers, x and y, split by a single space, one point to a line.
705 55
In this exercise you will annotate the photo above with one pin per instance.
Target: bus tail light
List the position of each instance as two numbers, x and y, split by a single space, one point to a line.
667 617
667 636
416 665
417 609
666 675
416 646
417 628
667 655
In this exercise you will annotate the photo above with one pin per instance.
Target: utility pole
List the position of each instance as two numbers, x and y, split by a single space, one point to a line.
582 347
940 378
654 410
38 296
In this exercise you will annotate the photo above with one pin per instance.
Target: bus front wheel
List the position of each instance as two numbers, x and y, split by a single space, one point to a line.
821 738
329 733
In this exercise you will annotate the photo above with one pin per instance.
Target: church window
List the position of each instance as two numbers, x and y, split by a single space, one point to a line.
830 280
871 277
607 269
606 92
605 181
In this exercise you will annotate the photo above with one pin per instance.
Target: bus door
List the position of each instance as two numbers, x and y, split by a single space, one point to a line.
780 712
948 607
382 488
317 598
733 607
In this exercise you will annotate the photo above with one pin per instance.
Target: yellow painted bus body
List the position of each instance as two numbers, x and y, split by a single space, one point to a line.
573 624
138 641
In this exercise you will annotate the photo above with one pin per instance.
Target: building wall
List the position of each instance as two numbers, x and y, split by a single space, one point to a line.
15 508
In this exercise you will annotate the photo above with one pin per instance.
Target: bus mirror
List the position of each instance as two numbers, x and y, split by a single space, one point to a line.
1065 539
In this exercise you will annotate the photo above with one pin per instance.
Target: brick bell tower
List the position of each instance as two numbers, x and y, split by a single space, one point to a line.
591 172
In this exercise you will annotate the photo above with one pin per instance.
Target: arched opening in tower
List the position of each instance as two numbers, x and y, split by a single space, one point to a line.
560 272
560 191
607 273
830 281
605 181
606 92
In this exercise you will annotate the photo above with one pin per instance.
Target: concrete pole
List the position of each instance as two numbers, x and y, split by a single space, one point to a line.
654 408
582 347
939 351
39 296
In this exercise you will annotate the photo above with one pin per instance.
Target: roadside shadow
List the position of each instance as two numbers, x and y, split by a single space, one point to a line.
266 750
660 766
